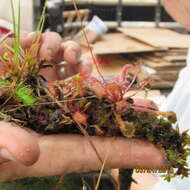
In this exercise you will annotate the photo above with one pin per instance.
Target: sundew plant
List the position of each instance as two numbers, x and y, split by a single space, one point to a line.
84 105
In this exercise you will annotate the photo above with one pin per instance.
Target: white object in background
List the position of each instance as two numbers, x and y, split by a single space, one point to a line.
178 101
94 31
149 70
27 14
97 25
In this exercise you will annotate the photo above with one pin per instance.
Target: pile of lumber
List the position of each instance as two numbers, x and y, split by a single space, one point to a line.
164 67
162 53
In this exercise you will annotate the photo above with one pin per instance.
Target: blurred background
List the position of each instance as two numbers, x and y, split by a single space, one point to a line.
120 32
132 13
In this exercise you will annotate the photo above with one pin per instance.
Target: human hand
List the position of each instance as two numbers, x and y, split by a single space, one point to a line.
53 48
24 153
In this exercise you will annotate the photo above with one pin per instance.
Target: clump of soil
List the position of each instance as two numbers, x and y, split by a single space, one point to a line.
85 105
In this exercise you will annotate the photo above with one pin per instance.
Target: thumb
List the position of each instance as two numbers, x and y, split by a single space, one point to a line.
16 144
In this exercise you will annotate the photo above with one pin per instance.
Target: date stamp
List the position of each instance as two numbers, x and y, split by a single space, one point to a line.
164 169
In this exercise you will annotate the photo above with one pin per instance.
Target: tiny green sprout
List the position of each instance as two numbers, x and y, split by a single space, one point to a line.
24 95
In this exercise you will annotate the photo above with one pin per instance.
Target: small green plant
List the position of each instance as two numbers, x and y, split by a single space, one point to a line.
83 104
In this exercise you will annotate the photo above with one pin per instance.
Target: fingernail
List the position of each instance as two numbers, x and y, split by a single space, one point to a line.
5 154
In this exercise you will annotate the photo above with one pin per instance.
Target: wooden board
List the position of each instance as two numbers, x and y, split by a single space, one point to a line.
110 65
163 65
175 58
144 94
158 37
166 75
115 43
162 84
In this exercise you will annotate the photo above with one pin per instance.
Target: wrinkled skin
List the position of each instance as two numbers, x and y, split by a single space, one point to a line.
24 153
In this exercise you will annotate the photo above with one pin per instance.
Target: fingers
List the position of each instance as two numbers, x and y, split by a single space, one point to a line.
49 49
25 42
27 39
53 49
67 70
9 42
51 43
71 153
72 52
17 145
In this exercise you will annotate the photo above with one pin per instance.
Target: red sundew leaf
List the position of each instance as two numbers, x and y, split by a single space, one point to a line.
146 82
114 91
95 85
124 72
137 71
80 117
117 79
120 105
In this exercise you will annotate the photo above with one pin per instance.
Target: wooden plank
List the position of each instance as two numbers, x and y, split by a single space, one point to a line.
115 43
143 93
158 37
174 58
166 75
162 68
162 84
110 65
163 65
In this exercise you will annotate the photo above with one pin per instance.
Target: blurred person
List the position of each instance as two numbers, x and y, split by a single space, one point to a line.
178 101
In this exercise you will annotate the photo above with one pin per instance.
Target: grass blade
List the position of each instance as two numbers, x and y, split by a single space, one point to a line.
42 18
